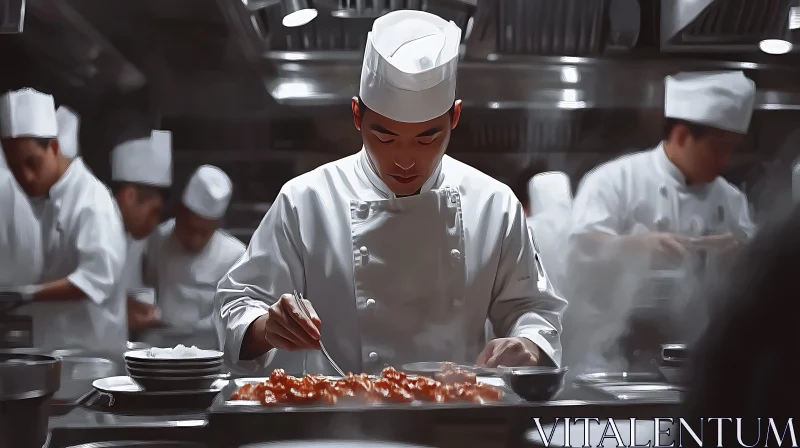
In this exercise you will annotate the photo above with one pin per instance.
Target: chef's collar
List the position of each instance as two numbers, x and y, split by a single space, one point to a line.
68 180
674 174
434 180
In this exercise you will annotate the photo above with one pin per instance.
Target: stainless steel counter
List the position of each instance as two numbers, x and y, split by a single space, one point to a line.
85 425
497 426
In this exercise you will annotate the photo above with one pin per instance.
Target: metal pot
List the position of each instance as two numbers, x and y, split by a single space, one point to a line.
27 384
78 370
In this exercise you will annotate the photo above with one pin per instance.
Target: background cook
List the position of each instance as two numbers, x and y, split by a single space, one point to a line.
550 223
20 236
187 256
76 303
402 250
141 174
638 221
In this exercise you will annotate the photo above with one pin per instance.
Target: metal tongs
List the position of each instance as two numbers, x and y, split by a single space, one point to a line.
335 366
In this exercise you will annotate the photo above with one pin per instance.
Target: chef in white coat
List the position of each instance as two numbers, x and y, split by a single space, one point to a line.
20 236
20 233
141 174
76 302
400 251
642 216
187 256
68 127
550 223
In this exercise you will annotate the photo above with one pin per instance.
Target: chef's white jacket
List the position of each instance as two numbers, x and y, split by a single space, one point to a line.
465 254
20 235
186 283
645 191
132 273
83 241
638 194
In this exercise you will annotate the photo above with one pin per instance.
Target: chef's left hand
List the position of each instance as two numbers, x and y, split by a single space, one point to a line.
509 352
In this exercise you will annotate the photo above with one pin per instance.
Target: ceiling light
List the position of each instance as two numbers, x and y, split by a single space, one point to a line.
297 13
570 75
775 46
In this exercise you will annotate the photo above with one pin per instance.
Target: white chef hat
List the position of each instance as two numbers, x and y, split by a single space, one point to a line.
550 191
28 113
144 161
68 125
410 62
208 192
723 100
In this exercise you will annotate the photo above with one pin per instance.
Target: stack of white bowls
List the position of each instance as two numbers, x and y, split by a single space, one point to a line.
168 369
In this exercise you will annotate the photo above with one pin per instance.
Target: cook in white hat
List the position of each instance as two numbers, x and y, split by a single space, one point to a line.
68 125
549 222
402 251
81 232
652 209
20 235
141 174
186 256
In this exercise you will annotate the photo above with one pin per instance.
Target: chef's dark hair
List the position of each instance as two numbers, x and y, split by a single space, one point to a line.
144 193
746 363
363 108
697 131
43 142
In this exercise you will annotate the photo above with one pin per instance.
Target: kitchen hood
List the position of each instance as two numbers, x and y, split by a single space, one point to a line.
722 25
65 45
522 54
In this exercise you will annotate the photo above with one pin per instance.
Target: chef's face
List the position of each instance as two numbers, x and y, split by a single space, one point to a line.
404 154
34 163
141 208
192 231
710 153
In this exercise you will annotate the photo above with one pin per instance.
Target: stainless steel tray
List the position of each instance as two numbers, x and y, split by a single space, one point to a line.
509 397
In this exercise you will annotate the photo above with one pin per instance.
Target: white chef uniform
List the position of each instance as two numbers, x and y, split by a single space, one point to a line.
20 235
550 222
68 126
82 239
144 161
187 282
394 280
645 192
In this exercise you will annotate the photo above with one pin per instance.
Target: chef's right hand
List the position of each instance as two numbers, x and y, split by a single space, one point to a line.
287 327
665 247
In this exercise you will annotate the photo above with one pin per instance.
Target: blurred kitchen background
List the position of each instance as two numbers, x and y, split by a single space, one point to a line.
572 82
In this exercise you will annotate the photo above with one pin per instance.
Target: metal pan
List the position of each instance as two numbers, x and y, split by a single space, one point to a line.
618 377
674 352
652 392
122 392
431 368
